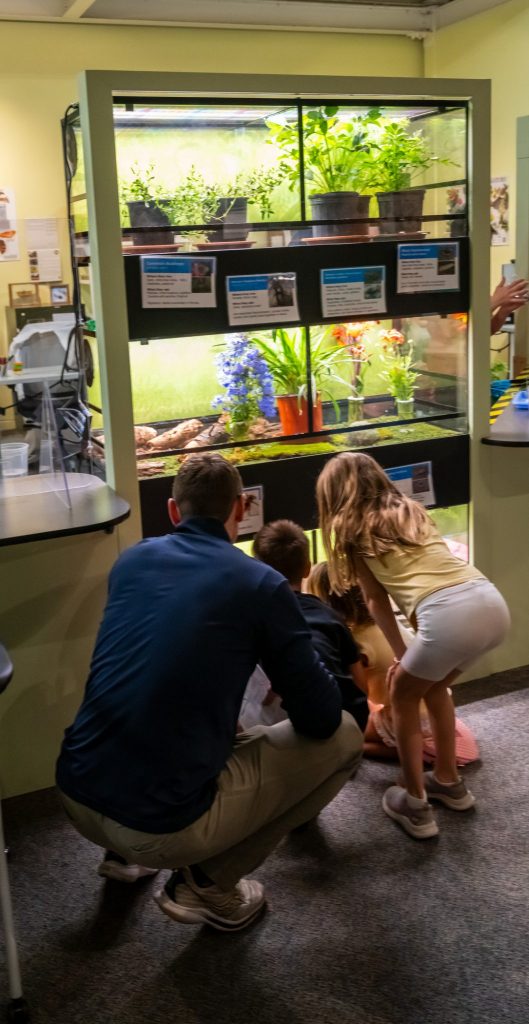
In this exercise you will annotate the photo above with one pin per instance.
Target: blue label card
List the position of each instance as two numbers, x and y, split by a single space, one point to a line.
430 267
353 291
415 481
262 298
178 282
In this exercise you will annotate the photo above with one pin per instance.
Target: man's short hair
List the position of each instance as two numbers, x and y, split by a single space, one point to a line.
284 546
207 485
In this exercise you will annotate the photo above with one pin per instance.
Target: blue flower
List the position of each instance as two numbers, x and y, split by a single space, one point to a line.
244 374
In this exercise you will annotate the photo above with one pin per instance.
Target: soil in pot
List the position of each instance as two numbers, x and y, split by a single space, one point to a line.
401 211
345 206
294 414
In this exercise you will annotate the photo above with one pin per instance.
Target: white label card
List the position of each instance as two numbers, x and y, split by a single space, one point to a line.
353 291
178 282
433 267
260 298
253 515
415 481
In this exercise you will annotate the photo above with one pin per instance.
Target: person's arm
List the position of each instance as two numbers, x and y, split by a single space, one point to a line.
379 607
310 694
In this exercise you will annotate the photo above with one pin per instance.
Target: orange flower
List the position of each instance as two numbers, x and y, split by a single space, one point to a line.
391 338
461 320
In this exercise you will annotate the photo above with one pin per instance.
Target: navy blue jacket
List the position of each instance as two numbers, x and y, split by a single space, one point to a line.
188 617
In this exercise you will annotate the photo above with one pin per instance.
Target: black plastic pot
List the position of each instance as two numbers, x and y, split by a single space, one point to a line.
346 206
401 211
149 215
231 211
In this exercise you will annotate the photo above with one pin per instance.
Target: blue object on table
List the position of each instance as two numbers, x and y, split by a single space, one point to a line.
497 389
521 400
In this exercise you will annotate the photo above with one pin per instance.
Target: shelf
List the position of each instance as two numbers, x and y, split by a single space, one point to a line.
42 374
30 511
510 430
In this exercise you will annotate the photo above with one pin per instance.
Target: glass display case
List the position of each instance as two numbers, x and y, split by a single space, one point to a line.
349 215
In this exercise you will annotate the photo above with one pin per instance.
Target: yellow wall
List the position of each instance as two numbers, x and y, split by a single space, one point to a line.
491 45
40 63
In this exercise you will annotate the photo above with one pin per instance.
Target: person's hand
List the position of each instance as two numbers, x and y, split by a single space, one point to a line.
510 296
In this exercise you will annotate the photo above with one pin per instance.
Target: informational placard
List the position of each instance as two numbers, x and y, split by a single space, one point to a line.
9 250
45 265
178 282
432 267
42 233
353 291
415 481
253 515
257 298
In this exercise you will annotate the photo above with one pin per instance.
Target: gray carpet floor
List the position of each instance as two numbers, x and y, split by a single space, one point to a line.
365 925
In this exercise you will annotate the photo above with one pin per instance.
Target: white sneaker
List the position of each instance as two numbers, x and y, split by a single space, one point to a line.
185 901
418 822
117 869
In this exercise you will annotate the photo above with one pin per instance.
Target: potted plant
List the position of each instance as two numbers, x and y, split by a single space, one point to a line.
396 157
336 150
252 188
146 203
399 373
353 337
285 352
248 386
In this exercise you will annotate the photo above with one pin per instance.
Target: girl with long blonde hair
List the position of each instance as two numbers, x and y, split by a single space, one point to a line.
382 540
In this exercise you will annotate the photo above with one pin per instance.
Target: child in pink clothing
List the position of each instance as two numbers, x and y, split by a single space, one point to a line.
377 657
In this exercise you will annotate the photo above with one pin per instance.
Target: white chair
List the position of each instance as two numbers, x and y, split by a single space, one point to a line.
17 1009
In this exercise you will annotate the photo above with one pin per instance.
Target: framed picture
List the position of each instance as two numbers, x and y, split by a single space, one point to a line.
59 294
25 294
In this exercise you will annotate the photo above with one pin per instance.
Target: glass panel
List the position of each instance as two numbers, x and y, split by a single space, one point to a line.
413 369
226 170
295 391
379 171
214 168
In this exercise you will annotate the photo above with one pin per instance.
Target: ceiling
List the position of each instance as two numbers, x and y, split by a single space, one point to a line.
413 17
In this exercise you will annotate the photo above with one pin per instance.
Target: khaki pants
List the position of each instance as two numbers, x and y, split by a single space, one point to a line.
274 781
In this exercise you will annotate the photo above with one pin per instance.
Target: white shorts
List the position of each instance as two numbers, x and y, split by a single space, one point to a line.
454 627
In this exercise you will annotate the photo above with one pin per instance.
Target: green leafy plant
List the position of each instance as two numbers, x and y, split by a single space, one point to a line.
256 186
397 356
335 149
499 370
194 200
396 156
285 353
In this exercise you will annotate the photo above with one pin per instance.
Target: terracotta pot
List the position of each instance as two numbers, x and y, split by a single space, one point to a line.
294 414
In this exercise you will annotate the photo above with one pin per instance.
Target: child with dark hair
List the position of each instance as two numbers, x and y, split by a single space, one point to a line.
377 658
284 546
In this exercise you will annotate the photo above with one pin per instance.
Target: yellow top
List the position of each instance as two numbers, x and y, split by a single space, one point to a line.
379 656
409 573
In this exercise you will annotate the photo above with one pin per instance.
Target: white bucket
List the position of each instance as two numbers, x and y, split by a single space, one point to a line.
14 458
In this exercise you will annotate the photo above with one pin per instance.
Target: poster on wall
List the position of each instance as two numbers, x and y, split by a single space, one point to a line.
45 265
9 250
499 211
